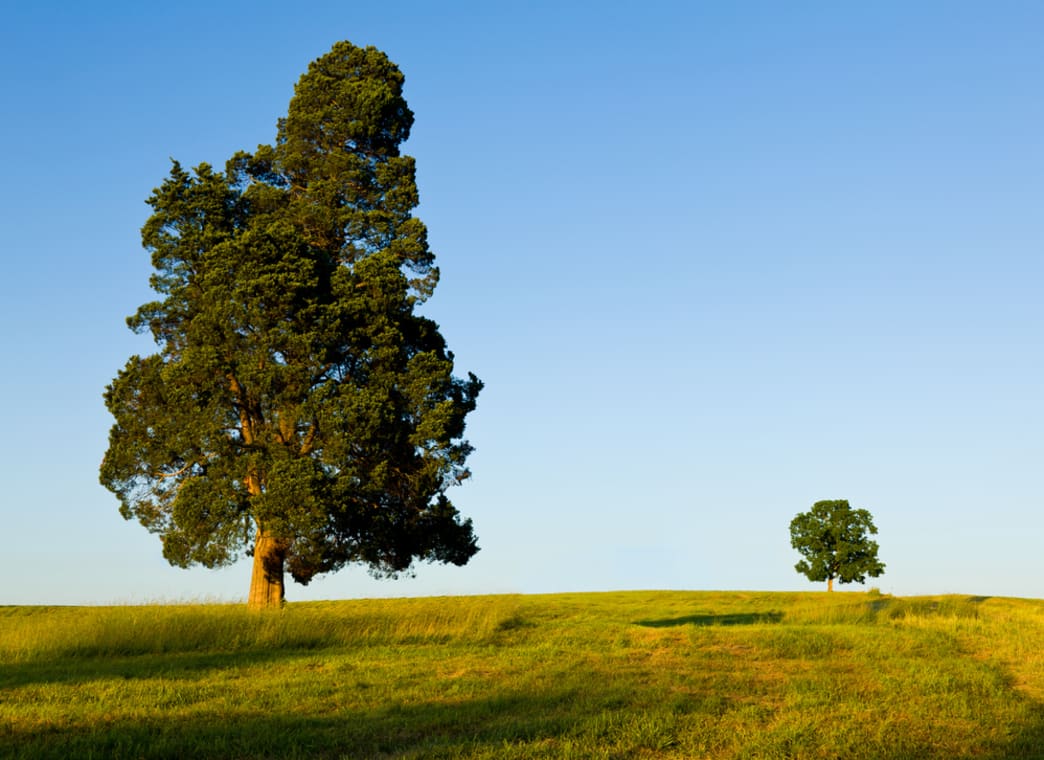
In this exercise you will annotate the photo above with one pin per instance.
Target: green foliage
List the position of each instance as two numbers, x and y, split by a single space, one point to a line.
638 674
832 538
296 393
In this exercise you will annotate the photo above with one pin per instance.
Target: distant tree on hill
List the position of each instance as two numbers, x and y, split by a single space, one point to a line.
832 538
298 409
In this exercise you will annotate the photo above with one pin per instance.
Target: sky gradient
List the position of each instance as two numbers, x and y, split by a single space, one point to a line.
714 262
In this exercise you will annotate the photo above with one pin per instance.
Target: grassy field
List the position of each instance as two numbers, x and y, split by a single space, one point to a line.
616 675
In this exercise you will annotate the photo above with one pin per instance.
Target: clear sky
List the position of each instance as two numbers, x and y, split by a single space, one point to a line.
715 261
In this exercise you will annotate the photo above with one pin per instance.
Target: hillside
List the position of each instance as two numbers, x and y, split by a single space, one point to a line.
614 675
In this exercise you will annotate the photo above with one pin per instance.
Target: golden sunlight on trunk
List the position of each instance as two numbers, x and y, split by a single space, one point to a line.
266 581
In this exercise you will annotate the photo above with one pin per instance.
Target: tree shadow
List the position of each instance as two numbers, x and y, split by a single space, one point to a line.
1025 739
438 728
1028 742
169 665
435 728
738 618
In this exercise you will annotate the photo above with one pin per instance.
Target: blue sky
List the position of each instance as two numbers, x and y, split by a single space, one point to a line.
714 261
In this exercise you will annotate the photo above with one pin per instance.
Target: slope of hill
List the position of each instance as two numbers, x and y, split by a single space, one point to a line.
614 675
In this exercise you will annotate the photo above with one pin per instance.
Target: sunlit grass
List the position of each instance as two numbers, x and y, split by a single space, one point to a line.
29 634
640 674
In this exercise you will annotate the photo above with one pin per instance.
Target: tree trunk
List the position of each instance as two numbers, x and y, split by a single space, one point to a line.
830 584
266 581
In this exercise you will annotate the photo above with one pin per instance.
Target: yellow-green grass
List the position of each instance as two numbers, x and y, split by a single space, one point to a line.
615 675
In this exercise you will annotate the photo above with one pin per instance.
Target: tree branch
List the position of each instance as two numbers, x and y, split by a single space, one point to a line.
182 471
306 445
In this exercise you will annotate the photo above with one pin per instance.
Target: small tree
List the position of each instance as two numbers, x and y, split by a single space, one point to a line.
299 409
832 537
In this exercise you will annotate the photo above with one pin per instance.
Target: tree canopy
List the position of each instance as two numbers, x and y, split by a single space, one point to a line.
298 408
833 539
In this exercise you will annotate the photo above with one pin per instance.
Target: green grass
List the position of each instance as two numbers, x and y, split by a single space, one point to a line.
617 675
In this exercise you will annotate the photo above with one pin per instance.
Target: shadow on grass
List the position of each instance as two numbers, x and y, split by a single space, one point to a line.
543 724
170 666
433 729
1027 740
547 721
740 618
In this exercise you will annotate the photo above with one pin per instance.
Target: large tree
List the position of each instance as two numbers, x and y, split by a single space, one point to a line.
298 409
833 539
